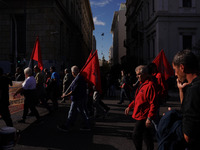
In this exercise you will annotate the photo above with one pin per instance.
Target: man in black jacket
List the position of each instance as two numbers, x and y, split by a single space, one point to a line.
4 98
185 64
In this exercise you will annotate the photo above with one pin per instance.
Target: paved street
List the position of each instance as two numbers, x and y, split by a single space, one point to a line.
110 133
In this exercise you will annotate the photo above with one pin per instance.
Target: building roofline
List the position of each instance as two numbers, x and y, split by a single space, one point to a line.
90 12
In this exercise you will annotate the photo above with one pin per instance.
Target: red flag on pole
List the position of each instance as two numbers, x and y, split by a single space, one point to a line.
91 71
36 54
163 65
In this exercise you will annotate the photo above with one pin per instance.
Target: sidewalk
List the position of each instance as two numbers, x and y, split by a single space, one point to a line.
110 133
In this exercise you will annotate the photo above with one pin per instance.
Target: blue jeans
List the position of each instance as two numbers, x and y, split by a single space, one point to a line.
77 106
124 94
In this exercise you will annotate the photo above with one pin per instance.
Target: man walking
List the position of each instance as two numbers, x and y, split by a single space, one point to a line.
125 91
39 77
66 83
78 98
144 109
54 87
28 89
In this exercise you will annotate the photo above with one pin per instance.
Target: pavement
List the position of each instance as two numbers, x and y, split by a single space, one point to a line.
110 133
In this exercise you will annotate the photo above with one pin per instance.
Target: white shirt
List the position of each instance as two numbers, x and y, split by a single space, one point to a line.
29 83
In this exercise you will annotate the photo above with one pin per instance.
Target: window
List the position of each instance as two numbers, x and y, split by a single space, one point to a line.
187 3
153 47
153 7
148 11
148 46
187 41
21 33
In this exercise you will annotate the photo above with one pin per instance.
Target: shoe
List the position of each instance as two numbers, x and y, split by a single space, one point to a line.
39 121
22 121
108 110
31 114
85 129
62 128
97 116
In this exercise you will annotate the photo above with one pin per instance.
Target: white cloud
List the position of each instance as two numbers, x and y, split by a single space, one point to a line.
101 3
98 22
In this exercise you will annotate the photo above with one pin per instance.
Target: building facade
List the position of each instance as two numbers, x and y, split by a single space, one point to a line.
118 30
94 43
64 28
110 56
153 25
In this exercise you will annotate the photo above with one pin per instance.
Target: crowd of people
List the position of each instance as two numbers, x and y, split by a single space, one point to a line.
38 87
145 97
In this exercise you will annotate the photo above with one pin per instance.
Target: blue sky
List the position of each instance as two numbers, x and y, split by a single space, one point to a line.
103 11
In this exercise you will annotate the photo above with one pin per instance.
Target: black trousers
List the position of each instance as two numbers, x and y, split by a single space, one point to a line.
5 113
194 144
140 133
41 97
30 98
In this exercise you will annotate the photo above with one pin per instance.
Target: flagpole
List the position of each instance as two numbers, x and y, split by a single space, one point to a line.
33 51
88 61
80 72
71 84
29 65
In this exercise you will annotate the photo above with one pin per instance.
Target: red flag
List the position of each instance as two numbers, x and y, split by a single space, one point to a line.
91 71
36 54
163 65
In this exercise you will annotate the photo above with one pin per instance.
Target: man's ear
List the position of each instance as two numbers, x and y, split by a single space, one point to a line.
182 68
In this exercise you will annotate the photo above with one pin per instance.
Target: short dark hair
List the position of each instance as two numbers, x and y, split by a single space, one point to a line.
45 70
53 68
152 68
36 67
188 59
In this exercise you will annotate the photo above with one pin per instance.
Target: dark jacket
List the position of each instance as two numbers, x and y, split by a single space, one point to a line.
78 89
169 133
191 109
4 90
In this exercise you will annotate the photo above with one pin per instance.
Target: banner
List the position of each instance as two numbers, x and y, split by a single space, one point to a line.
16 104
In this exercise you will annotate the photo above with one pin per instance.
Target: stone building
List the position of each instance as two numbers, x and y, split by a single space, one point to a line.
153 25
118 30
94 43
65 30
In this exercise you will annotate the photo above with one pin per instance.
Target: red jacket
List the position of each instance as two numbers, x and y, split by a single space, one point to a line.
145 103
